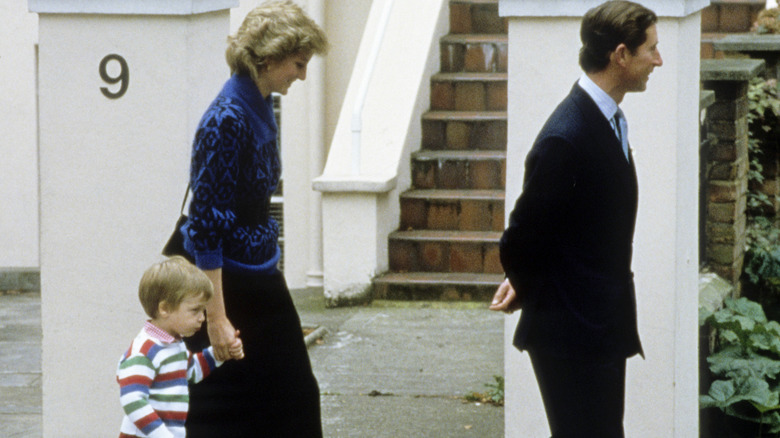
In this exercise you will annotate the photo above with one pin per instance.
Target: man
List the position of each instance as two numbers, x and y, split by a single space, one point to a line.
567 249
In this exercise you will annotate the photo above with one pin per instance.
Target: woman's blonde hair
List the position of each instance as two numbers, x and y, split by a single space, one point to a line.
273 31
172 281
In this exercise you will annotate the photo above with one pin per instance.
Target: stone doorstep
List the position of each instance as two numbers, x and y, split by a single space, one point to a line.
20 280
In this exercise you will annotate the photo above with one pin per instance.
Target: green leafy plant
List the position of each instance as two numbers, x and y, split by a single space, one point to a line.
494 395
762 260
763 117
762 253
745 363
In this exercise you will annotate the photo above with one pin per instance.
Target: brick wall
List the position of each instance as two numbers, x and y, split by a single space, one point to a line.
725 179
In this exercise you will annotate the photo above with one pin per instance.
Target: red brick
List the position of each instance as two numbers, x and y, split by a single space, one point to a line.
403 256
424 175
433 256
492 263
709 19
442 96
496 96
442 216
497 211
723 191
475 216
470 96
452 57
457 135
465 257
485 174
413 214
460 18
734 18
453 175
486 19
479 58
433 134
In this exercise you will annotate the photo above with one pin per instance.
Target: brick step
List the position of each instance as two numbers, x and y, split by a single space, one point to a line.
445 251
470 170
476 16
463 210
474 53
436 286
731 16
461 130
469 91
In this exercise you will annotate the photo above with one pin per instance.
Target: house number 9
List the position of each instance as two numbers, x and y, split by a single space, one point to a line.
123 78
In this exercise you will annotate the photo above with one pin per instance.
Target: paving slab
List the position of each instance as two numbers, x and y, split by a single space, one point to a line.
396 369
20 366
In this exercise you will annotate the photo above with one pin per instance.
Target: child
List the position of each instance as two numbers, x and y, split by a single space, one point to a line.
154 372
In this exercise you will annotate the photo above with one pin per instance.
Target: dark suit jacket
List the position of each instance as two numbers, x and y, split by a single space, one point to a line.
569 240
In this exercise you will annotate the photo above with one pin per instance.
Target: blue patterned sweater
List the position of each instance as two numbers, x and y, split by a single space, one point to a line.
234 160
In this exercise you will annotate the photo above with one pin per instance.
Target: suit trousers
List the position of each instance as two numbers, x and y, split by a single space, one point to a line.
583 397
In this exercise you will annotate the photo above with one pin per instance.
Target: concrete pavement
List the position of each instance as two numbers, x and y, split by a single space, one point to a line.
20 365
392 369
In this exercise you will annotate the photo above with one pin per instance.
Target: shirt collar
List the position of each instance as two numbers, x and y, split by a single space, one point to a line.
158 333
606 104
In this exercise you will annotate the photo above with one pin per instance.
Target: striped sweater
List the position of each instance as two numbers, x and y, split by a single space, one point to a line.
153 376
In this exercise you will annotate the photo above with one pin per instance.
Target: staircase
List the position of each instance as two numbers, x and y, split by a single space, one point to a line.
451 220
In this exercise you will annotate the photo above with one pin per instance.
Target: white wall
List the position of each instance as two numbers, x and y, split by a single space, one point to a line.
661 394
18 137
112 176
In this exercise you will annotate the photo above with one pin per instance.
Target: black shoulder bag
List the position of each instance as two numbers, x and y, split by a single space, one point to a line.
175 244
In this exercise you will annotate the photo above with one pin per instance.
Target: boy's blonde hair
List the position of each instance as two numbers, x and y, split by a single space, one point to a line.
172 281
273 31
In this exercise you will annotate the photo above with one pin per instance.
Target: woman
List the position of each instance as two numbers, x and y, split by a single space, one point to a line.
235 169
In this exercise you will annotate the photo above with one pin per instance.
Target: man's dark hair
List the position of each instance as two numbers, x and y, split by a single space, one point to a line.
609 24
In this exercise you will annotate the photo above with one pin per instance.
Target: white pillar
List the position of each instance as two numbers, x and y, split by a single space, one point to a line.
114 164
18 146
661 391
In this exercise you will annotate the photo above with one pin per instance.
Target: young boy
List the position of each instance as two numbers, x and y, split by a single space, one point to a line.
154 372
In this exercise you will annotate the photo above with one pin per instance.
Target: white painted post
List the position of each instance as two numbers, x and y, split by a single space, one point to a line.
18 146
114 162
661 391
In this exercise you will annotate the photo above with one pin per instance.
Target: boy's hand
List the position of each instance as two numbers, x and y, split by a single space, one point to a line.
237 348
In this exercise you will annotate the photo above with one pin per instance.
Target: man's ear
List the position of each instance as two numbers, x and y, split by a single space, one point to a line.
620 54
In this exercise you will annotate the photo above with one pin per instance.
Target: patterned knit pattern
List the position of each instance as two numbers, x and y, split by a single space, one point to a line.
153 376
235 161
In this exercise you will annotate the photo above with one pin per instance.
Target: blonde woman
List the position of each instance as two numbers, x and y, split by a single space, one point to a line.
229 235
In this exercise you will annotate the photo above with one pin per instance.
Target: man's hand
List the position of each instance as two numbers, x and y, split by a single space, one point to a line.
506 299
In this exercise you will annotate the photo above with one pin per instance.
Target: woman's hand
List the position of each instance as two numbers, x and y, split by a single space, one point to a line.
222 334
237 348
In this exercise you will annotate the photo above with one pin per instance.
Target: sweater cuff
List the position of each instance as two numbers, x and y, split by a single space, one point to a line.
208 259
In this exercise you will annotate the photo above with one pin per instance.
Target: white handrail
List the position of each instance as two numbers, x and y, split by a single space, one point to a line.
357 112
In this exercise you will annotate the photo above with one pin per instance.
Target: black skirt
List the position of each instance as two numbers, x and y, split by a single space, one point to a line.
272 392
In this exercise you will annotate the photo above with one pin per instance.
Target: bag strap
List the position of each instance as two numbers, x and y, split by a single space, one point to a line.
184 201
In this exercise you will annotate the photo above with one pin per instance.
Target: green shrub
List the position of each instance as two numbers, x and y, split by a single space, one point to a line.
745 363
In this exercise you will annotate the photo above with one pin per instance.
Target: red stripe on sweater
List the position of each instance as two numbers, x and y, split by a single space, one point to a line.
204 364
146 347
174 375
173 415
147 420
135 380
